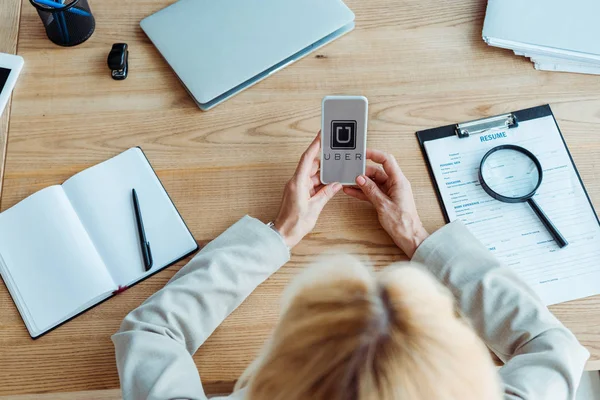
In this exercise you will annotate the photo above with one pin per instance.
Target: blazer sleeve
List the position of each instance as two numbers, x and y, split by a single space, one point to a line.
155 344
543 359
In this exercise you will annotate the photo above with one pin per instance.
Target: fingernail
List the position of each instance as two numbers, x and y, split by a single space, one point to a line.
361 180
337 186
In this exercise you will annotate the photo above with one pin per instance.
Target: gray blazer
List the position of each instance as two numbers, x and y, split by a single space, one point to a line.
155 344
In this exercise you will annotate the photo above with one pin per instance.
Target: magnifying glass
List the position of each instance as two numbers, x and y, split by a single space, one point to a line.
512 174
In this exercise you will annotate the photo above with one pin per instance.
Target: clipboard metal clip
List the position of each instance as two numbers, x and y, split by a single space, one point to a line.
499 122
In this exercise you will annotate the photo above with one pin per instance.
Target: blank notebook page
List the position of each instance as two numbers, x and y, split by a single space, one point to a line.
101 195
54 267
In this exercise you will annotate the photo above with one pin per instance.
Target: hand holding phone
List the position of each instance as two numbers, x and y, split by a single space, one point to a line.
389 191
343 138
303 198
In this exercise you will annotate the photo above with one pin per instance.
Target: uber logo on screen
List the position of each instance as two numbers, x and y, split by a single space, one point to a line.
343 135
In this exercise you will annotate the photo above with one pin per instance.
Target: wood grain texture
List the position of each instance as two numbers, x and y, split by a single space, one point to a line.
421 63
9 28
111 394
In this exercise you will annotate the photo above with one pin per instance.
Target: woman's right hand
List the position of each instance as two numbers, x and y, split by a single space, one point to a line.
386 187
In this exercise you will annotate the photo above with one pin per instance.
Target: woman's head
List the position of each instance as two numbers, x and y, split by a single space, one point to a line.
346 334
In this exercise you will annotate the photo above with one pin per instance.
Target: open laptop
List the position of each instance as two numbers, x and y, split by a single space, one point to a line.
218 48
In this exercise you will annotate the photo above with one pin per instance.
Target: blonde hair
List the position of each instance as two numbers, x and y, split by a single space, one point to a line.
345 334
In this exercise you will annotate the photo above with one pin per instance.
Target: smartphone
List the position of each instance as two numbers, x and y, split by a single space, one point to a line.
343 138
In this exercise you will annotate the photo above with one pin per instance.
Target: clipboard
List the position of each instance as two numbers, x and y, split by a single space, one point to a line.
482 126
512 234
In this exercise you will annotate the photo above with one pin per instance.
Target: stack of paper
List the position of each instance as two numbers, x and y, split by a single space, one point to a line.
557 35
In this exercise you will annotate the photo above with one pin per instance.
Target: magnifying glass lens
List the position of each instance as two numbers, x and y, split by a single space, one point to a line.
510 173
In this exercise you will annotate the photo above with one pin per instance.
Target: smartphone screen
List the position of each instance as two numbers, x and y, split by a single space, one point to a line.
343 138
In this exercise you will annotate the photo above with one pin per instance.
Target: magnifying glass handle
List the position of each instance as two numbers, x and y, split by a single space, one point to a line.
556 235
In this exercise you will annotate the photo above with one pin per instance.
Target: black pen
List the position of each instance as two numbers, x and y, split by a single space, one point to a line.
144 244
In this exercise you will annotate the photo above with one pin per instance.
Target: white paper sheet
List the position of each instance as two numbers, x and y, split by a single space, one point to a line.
512 232
566 67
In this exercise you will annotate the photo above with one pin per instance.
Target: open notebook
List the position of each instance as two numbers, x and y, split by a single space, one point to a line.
66 248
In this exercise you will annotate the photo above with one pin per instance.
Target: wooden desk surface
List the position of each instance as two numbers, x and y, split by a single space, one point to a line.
9 28
421 63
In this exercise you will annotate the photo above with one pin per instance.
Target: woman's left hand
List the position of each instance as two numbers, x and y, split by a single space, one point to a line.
304 197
